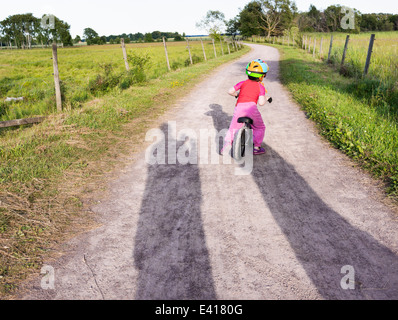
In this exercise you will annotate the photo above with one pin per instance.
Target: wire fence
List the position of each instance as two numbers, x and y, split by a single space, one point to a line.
83 72
355 55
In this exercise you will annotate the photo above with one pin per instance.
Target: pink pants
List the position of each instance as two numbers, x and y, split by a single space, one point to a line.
250 110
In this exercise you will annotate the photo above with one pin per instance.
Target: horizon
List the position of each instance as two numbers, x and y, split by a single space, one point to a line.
122 16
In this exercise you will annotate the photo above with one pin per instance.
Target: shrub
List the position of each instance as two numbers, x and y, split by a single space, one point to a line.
139 63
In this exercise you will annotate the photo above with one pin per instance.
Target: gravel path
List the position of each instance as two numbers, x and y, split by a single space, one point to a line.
202 231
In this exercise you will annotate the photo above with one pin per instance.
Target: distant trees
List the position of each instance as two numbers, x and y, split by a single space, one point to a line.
379 22
276 15
272 17
22 30
266 17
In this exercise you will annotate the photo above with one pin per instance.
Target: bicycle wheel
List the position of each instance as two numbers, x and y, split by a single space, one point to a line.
240 143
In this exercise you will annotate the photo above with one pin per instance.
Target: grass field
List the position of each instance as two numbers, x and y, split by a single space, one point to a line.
358 115
28 73
49 171
384 62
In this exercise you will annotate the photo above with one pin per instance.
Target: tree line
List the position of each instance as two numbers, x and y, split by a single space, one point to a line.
273 17
23 30
92 37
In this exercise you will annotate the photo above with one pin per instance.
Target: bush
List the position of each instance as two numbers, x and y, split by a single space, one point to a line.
195 59
139 63
104 81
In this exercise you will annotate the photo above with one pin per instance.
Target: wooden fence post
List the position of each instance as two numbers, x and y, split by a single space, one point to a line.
125 55
345 49
222 50
203 48
372 38
167 56
313 52
309 45
330 48
189 50
320 48
229 50
305 44
214 47
56 79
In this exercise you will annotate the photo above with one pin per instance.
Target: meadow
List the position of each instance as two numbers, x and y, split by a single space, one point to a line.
29 73
357 113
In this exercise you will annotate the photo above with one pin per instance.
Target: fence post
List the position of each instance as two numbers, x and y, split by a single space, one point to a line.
313 52
305 44
125 55
372 38
229 51
214 47
309 45
330 48
345 49
56 78
203 48
222 50
189 50
320 48
167 56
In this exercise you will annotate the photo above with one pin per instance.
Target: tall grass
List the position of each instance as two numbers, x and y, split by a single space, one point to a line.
357 114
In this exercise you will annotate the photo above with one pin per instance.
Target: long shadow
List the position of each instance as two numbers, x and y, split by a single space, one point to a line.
170 248
322 240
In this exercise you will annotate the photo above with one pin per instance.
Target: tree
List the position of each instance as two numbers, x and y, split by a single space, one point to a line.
232 27
250 19
213 23
148 37
91 36
277 15
23 29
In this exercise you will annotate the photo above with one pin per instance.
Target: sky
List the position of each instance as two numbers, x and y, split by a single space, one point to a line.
114 17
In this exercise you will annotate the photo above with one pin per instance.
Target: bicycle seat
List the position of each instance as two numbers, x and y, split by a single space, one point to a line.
245 120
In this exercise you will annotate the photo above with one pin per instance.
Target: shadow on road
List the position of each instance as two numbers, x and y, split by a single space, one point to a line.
170 252
322 240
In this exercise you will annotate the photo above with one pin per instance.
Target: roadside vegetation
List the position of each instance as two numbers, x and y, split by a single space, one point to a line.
357 115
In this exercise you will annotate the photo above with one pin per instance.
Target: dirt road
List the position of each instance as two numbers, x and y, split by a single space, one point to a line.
299 226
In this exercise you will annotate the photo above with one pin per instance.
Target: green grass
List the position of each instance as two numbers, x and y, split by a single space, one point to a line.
48 169
384 62
28 73
351 113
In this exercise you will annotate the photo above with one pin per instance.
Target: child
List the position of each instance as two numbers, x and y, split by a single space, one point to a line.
251 92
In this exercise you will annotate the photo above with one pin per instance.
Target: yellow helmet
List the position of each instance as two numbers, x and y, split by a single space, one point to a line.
257 68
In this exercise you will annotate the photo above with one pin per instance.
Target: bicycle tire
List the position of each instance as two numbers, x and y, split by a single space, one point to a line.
240 144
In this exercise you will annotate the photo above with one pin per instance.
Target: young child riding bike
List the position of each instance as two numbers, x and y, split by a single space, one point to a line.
249 93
